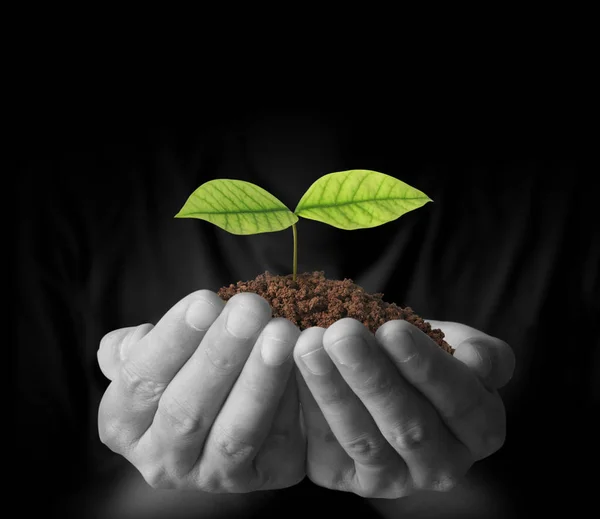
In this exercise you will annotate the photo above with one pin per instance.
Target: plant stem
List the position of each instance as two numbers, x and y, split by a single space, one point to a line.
295 268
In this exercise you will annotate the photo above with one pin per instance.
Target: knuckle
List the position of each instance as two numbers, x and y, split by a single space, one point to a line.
225 363
162 472
376 386
408 437
257 387
332 396
398 487
178 417
217 480
392 482
365 449
231 446
156 476
213 483
135 382
443 481
378 489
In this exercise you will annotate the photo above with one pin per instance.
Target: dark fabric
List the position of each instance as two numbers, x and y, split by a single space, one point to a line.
508 246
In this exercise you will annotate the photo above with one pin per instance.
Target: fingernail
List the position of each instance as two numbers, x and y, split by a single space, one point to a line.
350 351
274 351
404 347
242 322
201 314
317 362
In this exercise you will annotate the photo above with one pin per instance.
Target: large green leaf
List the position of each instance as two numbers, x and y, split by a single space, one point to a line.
359 199
238 207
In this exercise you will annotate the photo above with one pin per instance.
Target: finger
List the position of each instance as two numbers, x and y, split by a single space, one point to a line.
114 348
436 460
491 358
193 399
281 458
475 415
244 421
130 402
377 468
327 463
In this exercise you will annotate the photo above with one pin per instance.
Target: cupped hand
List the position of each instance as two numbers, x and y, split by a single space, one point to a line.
206 399
392 413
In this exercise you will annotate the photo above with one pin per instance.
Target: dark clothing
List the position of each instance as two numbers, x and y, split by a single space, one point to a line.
507 247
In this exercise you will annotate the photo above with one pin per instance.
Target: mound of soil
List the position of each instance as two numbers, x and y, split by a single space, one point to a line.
314 300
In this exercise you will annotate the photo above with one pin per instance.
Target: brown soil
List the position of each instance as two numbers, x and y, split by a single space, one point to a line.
314 300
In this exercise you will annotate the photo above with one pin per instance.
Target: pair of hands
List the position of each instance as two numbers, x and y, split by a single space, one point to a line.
209 399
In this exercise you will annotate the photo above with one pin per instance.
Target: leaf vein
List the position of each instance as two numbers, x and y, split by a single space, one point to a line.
341 187
276 214
368 200
248 208
224 195
370 213
362 181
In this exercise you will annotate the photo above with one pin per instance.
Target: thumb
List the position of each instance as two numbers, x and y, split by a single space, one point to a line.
492 359
114 347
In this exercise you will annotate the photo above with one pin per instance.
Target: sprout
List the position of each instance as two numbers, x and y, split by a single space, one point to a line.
355 199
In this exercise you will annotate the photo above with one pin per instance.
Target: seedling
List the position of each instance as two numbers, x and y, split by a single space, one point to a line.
354 199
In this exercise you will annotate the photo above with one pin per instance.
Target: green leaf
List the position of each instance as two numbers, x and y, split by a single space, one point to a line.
359 199
238 207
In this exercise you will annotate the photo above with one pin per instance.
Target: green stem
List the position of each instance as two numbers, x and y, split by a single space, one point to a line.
295 252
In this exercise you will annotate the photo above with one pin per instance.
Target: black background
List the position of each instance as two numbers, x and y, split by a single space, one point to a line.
511 167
